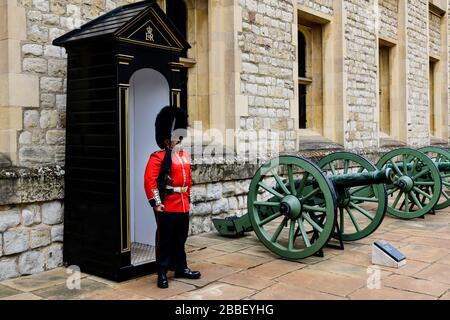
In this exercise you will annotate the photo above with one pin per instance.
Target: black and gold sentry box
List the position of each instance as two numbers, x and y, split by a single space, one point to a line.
123 67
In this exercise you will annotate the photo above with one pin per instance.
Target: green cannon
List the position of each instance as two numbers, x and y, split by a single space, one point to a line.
293 204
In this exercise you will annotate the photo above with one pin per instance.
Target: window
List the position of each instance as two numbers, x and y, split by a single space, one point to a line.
432 97
310 77
384 78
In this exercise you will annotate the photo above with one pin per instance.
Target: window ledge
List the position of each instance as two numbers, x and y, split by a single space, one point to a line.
311 140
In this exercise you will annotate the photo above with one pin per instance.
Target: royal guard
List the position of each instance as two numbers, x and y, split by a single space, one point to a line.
168 183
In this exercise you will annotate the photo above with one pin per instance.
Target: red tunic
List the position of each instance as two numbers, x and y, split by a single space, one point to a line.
180 172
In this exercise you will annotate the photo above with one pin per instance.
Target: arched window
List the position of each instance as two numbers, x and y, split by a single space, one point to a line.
302 74
177 12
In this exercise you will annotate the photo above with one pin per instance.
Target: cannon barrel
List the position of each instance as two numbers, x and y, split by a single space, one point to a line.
386 176
442 166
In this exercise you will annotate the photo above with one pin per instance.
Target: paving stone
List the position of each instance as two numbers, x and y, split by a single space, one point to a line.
260 251
239 260
147 287
6 291
436 272
217 291
415 285
424 253
282 291
354 257
62 292
40 280
210 272
23 296
321 281
203 254
232 246
346 269
387 294
112 294
432 242
445 296
410 268
275 268
247 279
445 260
199 241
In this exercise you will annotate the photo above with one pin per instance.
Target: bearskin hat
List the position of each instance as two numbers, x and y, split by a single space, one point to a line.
170 121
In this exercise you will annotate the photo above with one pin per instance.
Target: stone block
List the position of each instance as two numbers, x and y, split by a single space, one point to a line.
40 236
201 208
15 241
220 206
32 50
31 214
9 219
8 268
31 262
52 213
54 256
55 137
57 233
34 65
213 191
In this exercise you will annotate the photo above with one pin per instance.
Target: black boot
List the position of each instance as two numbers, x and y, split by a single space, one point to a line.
188 274
163 283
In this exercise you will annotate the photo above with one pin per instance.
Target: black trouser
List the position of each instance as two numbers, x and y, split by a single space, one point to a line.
171 234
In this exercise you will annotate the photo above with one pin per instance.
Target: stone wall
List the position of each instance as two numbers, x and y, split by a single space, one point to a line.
388 12
434 24
43 137
31 238
417 72
268 56
361 71
323 6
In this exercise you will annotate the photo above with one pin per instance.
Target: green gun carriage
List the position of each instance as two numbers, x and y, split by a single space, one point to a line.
295 207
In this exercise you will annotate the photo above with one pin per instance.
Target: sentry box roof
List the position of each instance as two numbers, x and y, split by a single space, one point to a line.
132 23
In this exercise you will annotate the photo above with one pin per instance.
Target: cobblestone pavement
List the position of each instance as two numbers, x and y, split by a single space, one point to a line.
244 269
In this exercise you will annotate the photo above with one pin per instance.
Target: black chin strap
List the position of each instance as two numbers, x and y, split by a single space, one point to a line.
165 169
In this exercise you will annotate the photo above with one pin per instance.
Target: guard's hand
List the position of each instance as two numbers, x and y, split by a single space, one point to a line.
159 208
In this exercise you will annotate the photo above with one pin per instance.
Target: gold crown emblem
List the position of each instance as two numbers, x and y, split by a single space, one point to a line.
149 29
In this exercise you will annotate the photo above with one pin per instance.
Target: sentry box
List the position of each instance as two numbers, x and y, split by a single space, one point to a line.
123 67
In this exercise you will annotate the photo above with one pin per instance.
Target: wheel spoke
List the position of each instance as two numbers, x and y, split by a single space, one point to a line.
269 219
358 189
391 191
291 179
333 168
311 194
278 231
363 199
291 235
445 195
271 190
424 183
353 219
396 167
421 173
415 200
303 232
445 183
406 202
405 166
397 199
303 183
426 195
266 204
346 164
280 182
366 213
314 209
312 222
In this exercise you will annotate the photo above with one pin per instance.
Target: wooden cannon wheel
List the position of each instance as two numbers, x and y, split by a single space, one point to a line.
361 208
292 207
417 187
